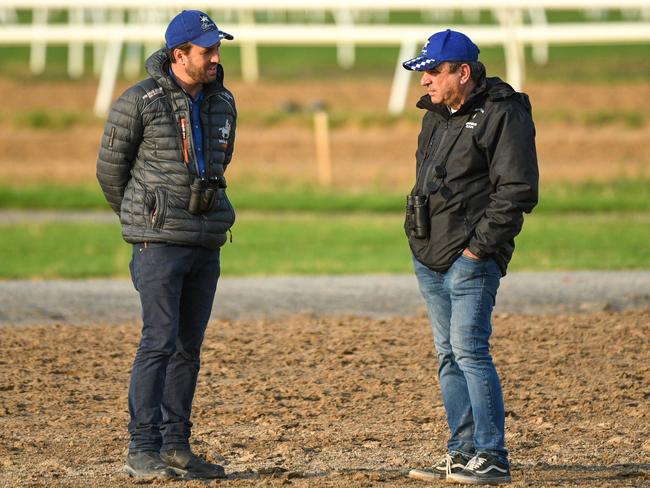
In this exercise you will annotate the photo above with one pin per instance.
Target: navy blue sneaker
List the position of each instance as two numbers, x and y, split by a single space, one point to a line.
147 465
482 469
188 465
453 462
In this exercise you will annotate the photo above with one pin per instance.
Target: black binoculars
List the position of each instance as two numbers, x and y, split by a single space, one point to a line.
417 216
204 192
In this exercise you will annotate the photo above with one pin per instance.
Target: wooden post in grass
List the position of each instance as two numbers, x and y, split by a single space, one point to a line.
322 139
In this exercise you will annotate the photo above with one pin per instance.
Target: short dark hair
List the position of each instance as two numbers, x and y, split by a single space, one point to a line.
185 47
476 69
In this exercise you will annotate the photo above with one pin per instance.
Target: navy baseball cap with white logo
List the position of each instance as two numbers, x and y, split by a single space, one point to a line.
443 46
196 27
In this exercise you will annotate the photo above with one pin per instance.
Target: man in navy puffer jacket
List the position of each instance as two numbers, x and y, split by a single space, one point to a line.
165 147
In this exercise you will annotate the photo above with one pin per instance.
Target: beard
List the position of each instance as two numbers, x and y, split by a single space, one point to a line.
199 75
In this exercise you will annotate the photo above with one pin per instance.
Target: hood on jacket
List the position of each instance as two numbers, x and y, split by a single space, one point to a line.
493 87
157 65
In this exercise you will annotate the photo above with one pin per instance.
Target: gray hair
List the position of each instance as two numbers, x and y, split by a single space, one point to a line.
476 68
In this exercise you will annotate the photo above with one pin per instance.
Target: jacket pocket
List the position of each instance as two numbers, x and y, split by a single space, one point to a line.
227 205
159 213
448 236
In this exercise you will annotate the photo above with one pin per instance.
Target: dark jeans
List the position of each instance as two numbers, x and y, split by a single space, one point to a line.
177 286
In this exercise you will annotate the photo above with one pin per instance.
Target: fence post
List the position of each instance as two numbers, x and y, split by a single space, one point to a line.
132 63
38 49
323 152
400 89
109 76
249 64
540 49
510 20
76 49
345 54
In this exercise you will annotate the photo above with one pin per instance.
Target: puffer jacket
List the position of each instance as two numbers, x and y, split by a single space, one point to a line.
478 168
142 166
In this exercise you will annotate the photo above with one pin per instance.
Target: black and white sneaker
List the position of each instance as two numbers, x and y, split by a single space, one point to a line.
453 462
482 469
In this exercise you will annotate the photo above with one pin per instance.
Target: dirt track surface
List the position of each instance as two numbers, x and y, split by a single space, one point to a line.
333 402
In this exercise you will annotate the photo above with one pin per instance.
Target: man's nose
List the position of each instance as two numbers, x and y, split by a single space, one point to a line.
425 80
216 57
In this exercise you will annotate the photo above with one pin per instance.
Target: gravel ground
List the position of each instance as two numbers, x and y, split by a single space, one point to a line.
376 296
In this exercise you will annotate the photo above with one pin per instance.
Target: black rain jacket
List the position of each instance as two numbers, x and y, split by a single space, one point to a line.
141 165
486 155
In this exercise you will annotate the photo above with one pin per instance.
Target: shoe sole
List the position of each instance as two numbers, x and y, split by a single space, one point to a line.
469 480
134 474
187 475
421 474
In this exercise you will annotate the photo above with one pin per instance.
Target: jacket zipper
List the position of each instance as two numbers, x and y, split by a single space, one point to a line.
186 158
430 166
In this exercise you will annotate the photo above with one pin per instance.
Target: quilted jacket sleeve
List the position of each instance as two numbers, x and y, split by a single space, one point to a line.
231 142
119 146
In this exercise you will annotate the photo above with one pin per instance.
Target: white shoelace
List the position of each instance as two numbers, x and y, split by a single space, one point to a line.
475 463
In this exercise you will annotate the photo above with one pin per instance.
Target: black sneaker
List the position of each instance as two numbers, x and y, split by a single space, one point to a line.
452 462
483 469
147 465
188 465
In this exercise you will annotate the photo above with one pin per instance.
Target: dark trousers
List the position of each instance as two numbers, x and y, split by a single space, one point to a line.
177 286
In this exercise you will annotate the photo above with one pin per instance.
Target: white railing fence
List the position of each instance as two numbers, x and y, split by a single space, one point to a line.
113 26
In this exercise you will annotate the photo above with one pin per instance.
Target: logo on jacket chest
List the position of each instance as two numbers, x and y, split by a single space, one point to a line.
472 122
225 133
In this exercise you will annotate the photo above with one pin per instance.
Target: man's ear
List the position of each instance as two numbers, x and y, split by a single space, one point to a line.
465 73
179 55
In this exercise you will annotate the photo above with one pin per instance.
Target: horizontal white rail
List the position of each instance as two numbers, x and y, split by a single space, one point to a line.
511 32
368 5
306 34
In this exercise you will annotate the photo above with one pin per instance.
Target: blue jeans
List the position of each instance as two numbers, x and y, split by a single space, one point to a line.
460 303
177 287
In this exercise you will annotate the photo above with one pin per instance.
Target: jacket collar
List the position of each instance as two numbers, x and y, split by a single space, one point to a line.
493 88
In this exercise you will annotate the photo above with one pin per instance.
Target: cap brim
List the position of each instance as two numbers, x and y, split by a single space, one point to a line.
211 38
421 63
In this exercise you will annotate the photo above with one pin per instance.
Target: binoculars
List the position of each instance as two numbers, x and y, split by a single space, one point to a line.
204 192
417 216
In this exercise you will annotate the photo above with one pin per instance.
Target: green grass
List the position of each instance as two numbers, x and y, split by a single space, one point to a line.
621 195
44 196
49 119
632 119
324 244
583 242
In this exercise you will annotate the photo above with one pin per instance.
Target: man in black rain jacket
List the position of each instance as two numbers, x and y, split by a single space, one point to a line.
476 175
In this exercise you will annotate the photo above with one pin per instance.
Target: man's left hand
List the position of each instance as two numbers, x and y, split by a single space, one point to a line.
470 254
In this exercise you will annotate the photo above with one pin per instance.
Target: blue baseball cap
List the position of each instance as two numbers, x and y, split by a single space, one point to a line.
196 27
443 46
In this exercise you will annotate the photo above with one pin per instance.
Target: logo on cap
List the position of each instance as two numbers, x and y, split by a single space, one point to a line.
443 46
206 23
196 27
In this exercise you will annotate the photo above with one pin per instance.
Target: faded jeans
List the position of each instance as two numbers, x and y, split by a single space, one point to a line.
460 303
177 287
